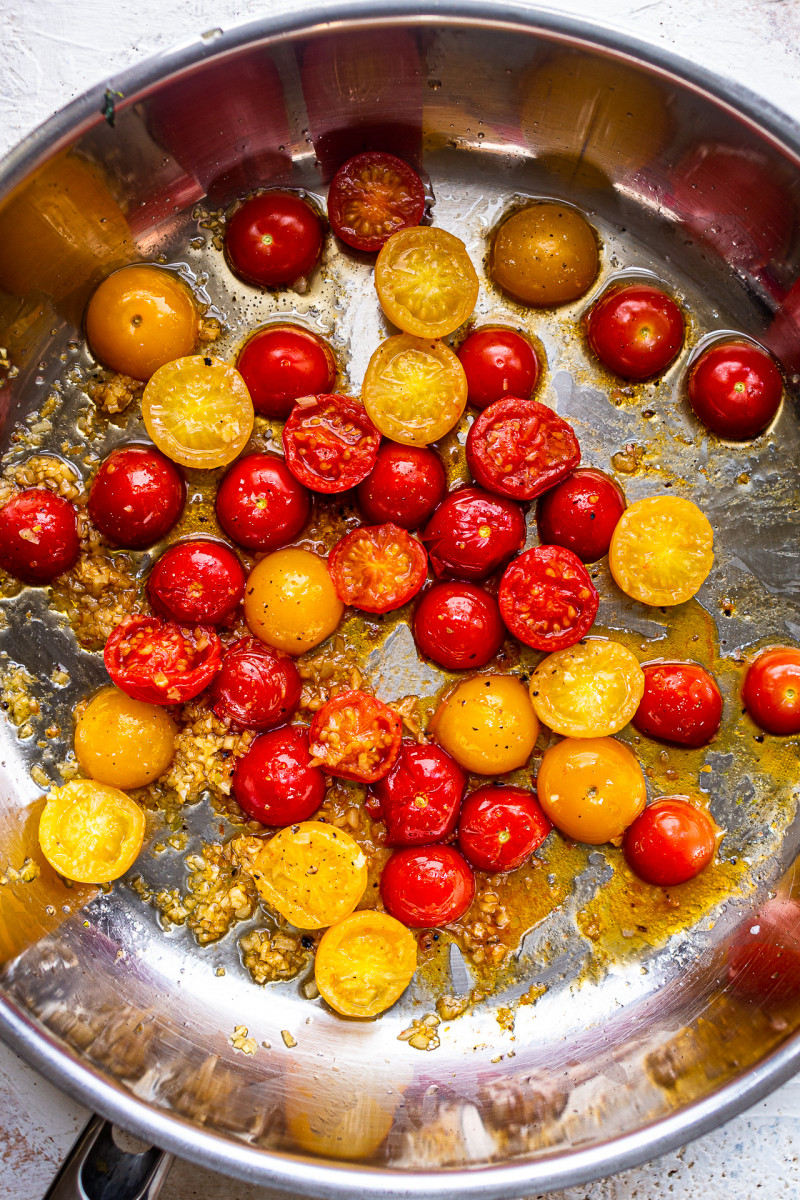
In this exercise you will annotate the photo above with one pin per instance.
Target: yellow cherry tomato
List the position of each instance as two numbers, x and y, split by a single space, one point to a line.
415 390
290 601
426 282
122 741
91 832
592 789
544 255
312 874
364 963
198 411
140 318
662 549
487 724
588 691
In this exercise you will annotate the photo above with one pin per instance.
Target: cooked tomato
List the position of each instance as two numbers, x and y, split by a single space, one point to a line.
275 782
197 582
364 963
312 874
635 331
123 742
273 239
472 533
681 703
418 801
356 736
487 724
161 663
497 363
458 625
198 411
427 886
404 487
735 389
415 390
330 443
290 601
140 318
255 688
372 196
500 827
547 598
672 841
591 690
136 496
283 362
260 503
544 255
592 789
426 282
38 536
661 550
764 957
520 448
90 832
581 513
772 690
377 567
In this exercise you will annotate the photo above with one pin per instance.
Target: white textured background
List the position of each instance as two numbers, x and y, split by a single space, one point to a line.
51 51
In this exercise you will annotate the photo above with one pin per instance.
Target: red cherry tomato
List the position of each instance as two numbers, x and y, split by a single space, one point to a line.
260 503
159 662
671 842
735 389
356 736
472 533
772 690
256 688
283 362
404 487
418 801
500 827
377 567
372 196
498 363
635 331
681 704
520 448
137 496
273 239
275 782
458 625
581 513
330 443
38 536
427 886
547 598
197 583
764 958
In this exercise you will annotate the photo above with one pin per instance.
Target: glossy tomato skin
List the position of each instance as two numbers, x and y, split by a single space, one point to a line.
273 239
764 958
681 704
670 842
283 362
197 582
256 688
427 886
497 363
581 513
635 331
472 533
330 443
356 736
372 196
500 827
377 568
735 389
458 625
772 690
547 598
137 496
520 448
275 782
160 662
38 536
404 487
260 503
418 801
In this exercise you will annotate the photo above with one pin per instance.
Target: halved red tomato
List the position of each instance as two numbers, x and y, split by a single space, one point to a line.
160 662
330 443
356 736
378 567
547 598
372 196
520 448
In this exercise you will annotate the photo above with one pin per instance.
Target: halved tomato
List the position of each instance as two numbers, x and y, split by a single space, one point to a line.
160 662
356 736
426 282
590 690
330 443
520 448
662 550
198 411
377 567
364 963
91 832
547 598
415 389
372 196
311 873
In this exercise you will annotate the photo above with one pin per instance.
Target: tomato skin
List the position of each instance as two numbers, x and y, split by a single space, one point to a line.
545 254
764 957
255 688
330 443
592 789
635 331
670 842
139 318
581 513
261 505
520 448
377 568
772 690
427 886
735 389
38 536
273 239
404 487
487 724
418 801
458 625
197 582
500 827
159 662
290 601
372 196
356 736
274 782
283 362
536 593
472 533
681 704
498 363
136 496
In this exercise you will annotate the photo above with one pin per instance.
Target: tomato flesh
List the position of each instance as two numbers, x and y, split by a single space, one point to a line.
547 598
418 801
273 239
472 533
137 496
275 781
377 568
404 487
500 827
197 583
498 363
160 662
356 736
427 886
635 331
458 625
38 536
280 364
261 505
372 196
581 513
671 842
681 704
330 443
772 690
520 448
255 688
735 389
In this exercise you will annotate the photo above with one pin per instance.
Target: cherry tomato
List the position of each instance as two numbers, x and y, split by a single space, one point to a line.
500 827
330 443
312 874
38 536
681 704
356 736
487 724
261 505
161 663
425 281
280 364
137 496
124 742
275 782
581 513
670 842
418 801
472 533
764 958
197 582
91 832
273 239
362 965
547 598
404 487
544 255
592 789
520 448
735 389
498 363
591 690
372 196
255 688
415 389
635 331
198 411
662 550
427 886
377 567
290 601
458 625
772 690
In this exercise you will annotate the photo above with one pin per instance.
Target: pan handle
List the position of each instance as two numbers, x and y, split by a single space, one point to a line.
97 1169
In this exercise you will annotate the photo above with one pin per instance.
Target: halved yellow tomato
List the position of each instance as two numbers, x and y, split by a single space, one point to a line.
426 282
364 963
91 832
140 318
590 690
662 550
487 724
592 789
312 874
122 741
415 389
290 601
198 411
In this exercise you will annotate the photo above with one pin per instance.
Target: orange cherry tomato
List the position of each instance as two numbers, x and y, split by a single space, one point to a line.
425 281
364 963
545 254
122 741
487 724
140 318
592 789
312 874
290 601
198 411
662 550
90 832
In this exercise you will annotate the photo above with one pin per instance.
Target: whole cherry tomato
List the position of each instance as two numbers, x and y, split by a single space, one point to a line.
260 503
330 443
547 598
377 567
159 662
137 496
372 196
735 389
458 625
427 886
256 688
681 704
498 363
764 957
671 842
38 536
772 690
198 582
520 448
273 239
418 801
404 487
472 533
500 827
275 782
356 736
581 513
635 331
283 362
